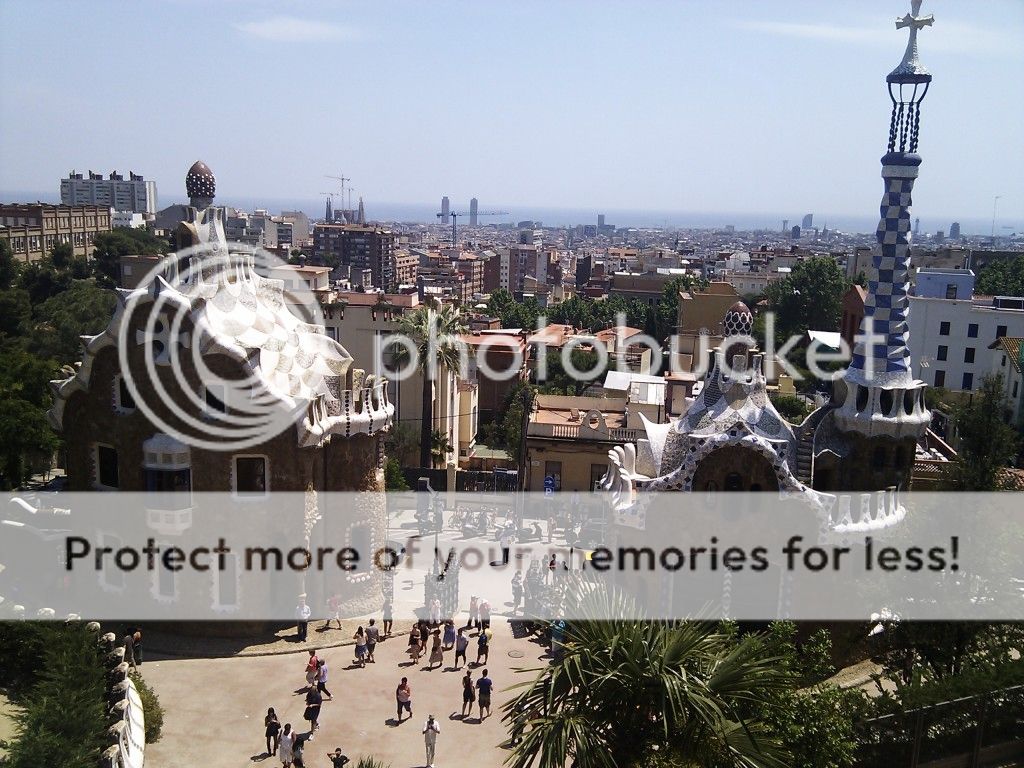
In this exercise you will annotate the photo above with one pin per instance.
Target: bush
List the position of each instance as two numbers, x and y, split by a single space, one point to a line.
151 708
394 480
792 408
63 715
369 762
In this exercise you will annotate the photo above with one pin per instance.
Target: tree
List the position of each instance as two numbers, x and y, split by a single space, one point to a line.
628 693
9 266
394 480
810 298
434 334
83 309
987 443
15 312
62 255
440 447
1003 277
109 247
25 436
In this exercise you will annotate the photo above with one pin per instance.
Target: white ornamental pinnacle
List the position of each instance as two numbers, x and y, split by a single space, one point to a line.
911 65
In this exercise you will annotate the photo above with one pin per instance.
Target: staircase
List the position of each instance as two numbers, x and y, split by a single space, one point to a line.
805 444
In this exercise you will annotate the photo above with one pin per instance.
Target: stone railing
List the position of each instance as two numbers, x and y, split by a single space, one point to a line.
584 432
127 731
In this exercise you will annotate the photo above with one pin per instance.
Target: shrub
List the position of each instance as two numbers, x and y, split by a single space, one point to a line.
151 708
369 762
793 409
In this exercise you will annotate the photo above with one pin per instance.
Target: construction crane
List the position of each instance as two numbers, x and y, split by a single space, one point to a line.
455 217
342 179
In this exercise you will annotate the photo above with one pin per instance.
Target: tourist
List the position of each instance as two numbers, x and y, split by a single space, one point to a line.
403 698
415 649
137 646
473 611
484 685
483 642
272 730
468 694
552 566
485 615
302 614
517 591
449 634
372 638
435 612
360 638
321 679
337 759
388 619
430 731
284 745
436 654
506 543
333 611
461 643
312 668
313 703
298 747
129 650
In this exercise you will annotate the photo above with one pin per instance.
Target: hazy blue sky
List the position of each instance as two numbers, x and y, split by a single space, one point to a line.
725 106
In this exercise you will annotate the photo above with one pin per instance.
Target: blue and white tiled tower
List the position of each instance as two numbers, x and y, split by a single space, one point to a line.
879 395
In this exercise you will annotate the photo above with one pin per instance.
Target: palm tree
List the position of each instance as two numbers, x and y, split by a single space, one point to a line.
629 693
434 334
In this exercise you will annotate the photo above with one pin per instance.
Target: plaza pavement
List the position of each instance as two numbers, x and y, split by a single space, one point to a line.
214 708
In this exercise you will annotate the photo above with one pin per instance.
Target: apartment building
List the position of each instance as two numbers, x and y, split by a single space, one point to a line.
33 230
133 194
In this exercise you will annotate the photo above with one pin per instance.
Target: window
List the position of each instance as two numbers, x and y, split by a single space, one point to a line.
123 400
106 467
972 331
968 382
942 353
251 476
1002 363
950 290
969 355
944 328
940 378
597 471
1000 331
553 470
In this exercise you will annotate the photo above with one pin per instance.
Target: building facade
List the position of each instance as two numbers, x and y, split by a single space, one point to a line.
133 194
33 230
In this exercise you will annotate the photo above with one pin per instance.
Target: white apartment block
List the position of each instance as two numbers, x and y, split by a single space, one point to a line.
950 338
132 194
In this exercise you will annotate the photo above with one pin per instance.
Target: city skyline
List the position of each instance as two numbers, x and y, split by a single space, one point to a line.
766 110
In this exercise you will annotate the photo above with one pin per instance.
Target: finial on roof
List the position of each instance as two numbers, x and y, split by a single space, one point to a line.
910 70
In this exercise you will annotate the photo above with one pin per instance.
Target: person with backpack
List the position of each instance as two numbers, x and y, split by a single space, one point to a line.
272 730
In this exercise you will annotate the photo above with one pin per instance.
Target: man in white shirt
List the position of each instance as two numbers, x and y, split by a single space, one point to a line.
302 614
430 731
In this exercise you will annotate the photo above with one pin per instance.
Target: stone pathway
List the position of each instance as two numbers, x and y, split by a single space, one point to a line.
6 721
214 708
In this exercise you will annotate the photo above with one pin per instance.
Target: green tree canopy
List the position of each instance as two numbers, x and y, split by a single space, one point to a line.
810 298
1003 277
111 246
987 443
83 309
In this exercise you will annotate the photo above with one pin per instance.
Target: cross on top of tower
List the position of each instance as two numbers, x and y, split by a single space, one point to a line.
911 69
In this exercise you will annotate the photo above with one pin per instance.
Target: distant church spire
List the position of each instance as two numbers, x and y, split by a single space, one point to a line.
362 212
882 396
330 214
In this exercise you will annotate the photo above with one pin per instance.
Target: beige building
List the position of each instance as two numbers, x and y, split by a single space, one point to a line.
568 439
33 230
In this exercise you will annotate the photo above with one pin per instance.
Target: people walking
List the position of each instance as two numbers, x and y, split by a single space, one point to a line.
299 748
436 654
313 703
468 694
483 644
474 603
372 638
388 620
506 544
302 614
360 638
430 731
517 591
552 565
312 668
415 648
333 611
284 746
485 614
321 679
461 644
403 698
129 650
272 730
449 634
484 686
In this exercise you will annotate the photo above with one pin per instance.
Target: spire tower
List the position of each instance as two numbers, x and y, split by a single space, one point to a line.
879 395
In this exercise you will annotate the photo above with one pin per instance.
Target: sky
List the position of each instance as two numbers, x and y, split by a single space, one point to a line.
661 106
